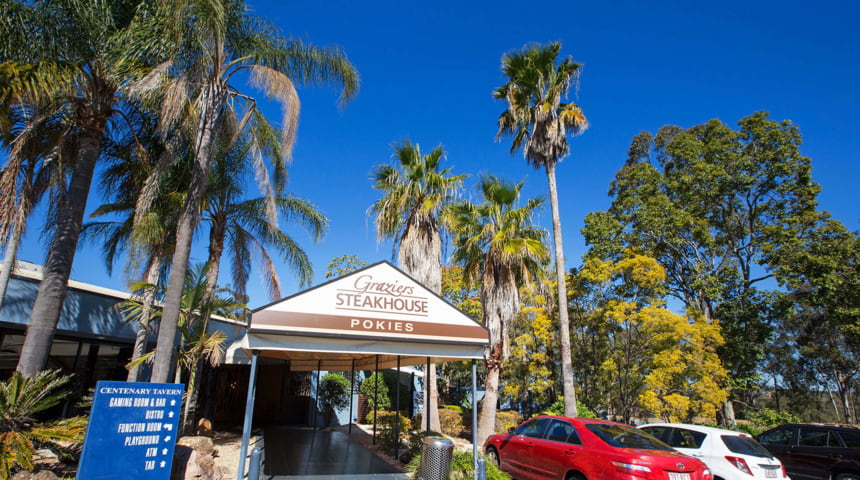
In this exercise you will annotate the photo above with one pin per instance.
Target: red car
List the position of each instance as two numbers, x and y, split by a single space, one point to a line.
564 448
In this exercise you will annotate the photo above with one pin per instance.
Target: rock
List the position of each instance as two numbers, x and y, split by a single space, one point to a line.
40 475
194 459
204 428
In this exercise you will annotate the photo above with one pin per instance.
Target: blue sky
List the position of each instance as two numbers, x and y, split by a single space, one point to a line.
428 70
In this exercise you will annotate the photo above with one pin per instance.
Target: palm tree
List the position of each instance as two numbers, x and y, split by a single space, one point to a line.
147 238
75 57
30 173
245 227
414 194
197 343
220 39
540 122
498 245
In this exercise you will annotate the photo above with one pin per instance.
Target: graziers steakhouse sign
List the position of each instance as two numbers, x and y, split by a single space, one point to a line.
373 302
381 296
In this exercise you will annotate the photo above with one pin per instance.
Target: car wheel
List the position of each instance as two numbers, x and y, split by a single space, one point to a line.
493 456
848 476
574 476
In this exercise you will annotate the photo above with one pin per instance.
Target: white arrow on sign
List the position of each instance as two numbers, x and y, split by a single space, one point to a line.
162 464
164 451
166 439
170 414
168 426
172 403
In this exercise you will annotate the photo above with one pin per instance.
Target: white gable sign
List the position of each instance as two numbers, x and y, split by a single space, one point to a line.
377 302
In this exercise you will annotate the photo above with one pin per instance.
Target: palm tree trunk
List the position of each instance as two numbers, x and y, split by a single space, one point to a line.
213 264
487 422
11 255
152 275
58 267
568 389
188 220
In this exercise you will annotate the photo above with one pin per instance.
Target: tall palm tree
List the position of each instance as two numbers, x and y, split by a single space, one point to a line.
414 193
498 245
540 123
198 343
76 56
246 228
147 239
220 39
31 171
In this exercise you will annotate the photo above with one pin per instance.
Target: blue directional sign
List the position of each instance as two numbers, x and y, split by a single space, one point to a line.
132 431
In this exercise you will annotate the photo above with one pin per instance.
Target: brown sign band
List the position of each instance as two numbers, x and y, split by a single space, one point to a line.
266 319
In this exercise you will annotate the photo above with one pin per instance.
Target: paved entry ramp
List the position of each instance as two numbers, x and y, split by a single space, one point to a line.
321 455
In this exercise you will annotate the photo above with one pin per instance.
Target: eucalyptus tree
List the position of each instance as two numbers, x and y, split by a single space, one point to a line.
222 44
75 57
540 122
498 245
414 193
714 206
245 227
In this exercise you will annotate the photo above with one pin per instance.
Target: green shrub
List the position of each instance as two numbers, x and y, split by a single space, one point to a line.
462 467
507 419
386 422
21 398
557 408
455 408
379 401
766 418
333 395
451 422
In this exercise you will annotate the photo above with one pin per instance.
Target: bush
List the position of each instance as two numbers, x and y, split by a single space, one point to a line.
462 467
506 420
557 408
380 401
766 418
333 395
451 422
21 398
386 422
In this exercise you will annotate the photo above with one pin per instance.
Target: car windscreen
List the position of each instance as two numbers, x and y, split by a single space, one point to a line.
623 436
745 446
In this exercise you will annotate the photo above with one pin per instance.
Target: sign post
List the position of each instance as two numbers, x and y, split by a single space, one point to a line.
132 431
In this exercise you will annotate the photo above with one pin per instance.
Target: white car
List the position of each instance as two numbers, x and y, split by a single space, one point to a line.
730 455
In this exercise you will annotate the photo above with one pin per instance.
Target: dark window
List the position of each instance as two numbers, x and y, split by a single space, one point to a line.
780 436
657 432
808 437
562 432
684 438
623 436
533 428
745 446
852 440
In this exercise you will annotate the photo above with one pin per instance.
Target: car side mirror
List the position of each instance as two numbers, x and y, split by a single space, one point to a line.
512 430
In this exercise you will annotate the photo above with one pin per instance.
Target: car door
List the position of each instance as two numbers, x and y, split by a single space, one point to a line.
516 451
557 450
779 441
690 442
814 452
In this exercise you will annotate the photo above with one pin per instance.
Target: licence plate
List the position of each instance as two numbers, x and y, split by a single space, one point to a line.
678 476
770 473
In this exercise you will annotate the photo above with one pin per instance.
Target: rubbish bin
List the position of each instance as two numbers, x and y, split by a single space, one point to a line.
436 455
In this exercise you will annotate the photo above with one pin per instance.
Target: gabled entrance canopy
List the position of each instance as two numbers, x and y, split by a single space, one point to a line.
378 310
376 317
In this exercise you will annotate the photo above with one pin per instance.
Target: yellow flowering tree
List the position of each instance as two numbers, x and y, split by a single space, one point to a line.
685 372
